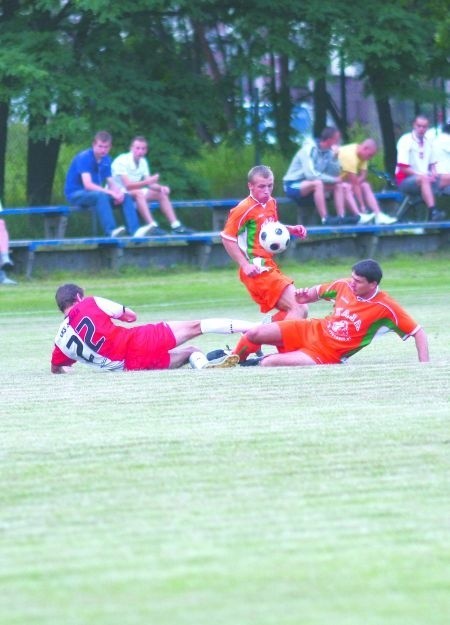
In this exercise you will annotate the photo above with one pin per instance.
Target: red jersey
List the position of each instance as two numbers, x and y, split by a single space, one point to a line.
244 225
88 335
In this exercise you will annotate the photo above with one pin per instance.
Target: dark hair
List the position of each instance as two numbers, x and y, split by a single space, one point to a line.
368 269
67 295
103 136
259 170
328 132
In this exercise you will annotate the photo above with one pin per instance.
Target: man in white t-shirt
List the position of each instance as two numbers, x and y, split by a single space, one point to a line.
441 152
131 171
416 172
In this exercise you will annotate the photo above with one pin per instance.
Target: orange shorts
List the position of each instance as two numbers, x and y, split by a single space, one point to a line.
266 288
306 335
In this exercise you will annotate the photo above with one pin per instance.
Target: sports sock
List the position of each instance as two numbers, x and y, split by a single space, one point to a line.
279 316
244 348
225 326
198 360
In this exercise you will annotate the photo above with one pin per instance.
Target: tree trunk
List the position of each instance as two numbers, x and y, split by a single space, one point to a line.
4 114
387 134
42 157
320 105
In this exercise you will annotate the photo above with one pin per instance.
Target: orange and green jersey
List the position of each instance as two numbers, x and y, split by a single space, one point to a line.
244 225
355 322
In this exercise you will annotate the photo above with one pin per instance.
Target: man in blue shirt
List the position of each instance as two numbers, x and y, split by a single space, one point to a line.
89 183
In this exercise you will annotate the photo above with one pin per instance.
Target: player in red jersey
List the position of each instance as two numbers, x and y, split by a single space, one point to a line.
258 271
89 335
361 312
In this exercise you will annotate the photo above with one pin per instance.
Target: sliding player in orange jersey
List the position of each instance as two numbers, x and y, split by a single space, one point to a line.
361 312
258 271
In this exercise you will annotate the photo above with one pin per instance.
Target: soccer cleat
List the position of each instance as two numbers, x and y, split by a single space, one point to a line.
182 230
225 362
218 353
365 218
384 220
252 362
117 232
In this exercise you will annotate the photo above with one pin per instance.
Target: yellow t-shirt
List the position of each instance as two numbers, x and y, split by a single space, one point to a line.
349 161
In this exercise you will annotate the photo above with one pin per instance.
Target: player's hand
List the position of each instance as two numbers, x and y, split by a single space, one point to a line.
298 231
252 270
302 296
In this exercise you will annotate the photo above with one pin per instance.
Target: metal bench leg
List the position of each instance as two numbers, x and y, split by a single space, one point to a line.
30 263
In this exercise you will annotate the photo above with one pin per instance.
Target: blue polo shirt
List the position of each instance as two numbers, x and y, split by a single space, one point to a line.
83 163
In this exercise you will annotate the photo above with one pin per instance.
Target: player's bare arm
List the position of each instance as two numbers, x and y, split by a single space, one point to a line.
128 315
305 296
297 231
235 252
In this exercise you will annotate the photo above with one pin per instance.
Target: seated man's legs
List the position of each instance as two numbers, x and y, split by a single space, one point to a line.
297 190
423 186
162 197
130 214
102 204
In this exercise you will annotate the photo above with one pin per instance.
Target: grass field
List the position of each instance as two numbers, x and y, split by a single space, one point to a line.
314 496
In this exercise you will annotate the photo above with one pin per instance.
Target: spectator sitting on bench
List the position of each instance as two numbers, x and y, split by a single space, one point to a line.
415 173
315 170
441 156
85 186
132 173
353 159
5 260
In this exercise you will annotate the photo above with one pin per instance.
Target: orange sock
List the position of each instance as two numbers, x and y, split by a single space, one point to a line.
244 348
279 316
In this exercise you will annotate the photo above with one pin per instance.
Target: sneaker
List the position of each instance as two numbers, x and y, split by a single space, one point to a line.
156 231
365 218
117 232
182 230
7 264
436 215
331 221
143 231
227 361
7 280
384 220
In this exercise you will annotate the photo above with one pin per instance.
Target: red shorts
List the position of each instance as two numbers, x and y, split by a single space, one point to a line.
148 347
306 335
266 288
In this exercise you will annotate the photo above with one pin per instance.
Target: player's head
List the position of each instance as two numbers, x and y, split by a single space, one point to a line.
368 269
67 295
260 183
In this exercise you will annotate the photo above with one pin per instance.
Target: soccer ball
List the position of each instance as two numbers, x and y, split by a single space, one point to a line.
274 237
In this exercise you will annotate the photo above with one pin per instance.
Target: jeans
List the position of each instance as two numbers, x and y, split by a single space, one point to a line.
102 202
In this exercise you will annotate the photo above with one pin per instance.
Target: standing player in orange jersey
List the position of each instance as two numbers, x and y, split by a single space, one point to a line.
258 271
361 312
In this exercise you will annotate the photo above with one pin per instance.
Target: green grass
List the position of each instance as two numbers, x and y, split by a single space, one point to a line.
251 496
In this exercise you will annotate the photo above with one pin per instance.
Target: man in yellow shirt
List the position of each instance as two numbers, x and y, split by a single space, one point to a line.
353 159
